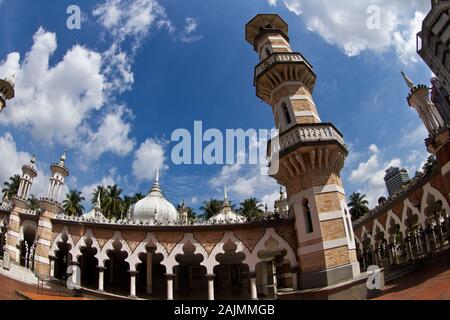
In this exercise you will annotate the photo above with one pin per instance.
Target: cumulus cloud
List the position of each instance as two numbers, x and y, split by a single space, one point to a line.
392 24
53 101
188 34
112 135
148 158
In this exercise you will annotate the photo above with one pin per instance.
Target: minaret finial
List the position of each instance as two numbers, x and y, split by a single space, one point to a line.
63 158
409 82
33 159
157 175
225 193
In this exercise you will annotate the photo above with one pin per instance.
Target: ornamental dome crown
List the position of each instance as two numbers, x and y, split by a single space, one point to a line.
155 206
227 215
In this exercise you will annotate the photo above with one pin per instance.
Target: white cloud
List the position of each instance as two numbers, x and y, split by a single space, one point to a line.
148 159
112 135
270 199
344 23
48 101
88 190
188 34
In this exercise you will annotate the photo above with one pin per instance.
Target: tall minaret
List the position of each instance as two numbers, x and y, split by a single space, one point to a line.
26 181
310 155
59 173
50 207
419 99
438 141
6 91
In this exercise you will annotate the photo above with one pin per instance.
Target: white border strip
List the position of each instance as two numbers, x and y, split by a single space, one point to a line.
326 245
41 259
45 224
307 114
329 188
330 215
44 242
446 168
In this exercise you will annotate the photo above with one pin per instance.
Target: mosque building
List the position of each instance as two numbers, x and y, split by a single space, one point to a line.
308 243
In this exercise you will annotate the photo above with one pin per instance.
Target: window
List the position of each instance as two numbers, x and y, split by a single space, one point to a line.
287 116
268 53
308 218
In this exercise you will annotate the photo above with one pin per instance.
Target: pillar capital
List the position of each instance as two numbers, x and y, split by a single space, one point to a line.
252 274
133 272
210 276
169 276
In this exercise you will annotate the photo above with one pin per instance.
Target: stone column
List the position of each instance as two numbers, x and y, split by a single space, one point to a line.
133 284
274 277
294 279
111 270
265 278
101 279
253 289
210 278
170 278
149 273
52 266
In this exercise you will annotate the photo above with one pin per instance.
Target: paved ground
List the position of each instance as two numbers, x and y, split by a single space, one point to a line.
431 282
10 287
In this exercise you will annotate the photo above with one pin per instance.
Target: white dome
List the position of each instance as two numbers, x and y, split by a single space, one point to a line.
155 207
227 215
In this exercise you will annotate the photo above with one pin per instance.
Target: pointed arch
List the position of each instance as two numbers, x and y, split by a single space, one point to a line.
133 259
59 239
171 261
103 255
76 250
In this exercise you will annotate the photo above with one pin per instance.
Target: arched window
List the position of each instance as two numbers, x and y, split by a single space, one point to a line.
287 116
268 53
308 218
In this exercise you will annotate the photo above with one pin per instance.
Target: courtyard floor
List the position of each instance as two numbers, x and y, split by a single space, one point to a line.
429 282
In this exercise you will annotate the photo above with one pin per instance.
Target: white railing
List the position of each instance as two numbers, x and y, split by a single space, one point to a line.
5 206
305 133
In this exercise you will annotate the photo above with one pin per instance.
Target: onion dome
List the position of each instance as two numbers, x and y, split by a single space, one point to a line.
227 215
155 207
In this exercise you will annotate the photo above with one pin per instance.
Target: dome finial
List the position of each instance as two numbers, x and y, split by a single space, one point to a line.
225 193
409 82
33 159
157 175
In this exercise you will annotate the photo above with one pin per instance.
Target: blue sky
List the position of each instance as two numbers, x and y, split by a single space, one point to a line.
113 92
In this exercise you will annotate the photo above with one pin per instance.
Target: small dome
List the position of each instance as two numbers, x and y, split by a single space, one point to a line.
154 207
96 212
227 215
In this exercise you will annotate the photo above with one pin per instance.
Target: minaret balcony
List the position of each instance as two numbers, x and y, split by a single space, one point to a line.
305 135
282 67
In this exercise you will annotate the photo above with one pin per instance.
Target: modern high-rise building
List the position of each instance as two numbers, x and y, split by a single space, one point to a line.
394 179
433 41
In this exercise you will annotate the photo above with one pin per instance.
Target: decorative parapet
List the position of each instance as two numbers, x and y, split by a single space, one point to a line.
30 212
303 134
268 217
420 178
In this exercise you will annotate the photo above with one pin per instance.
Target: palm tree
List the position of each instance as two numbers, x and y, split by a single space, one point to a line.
358 205
72 204
129 201
113 202
210 208
251 208
33 201
12 186
137 197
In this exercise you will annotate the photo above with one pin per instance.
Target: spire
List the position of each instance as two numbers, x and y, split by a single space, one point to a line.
225 204
225 193
98 203
157 175
63 158
409 82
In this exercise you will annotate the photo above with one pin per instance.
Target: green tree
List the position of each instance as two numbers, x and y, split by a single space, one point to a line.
250 208
358 205
72 204
103 196
210 208
33 201
113 202
11 187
